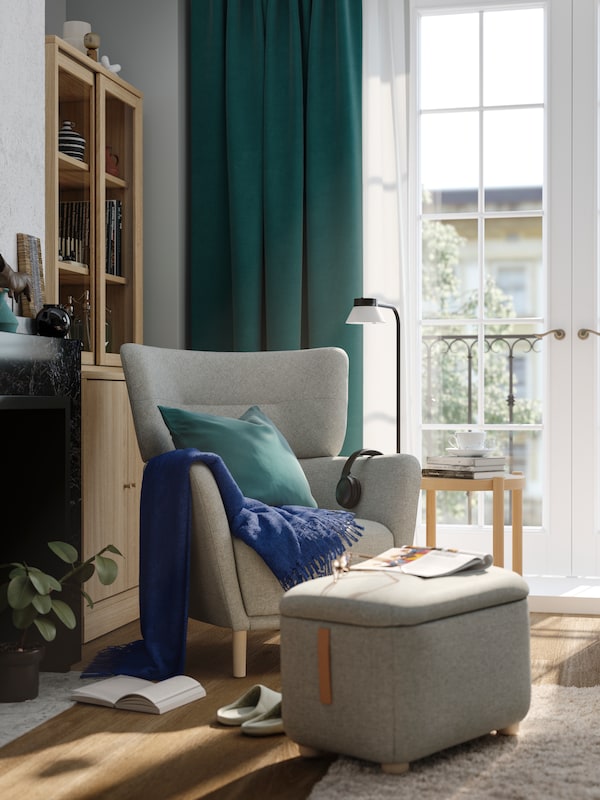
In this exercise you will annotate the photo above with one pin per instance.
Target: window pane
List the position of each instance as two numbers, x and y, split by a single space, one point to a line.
513 157
449 380
512 375
450 275
513 267
523 449
513 57
457 85
449 161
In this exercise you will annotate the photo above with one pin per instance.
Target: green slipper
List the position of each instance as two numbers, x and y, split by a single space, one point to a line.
253 703
266 724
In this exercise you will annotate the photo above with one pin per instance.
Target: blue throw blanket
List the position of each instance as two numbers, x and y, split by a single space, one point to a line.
297 543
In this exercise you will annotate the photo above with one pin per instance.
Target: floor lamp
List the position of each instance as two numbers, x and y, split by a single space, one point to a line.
367 310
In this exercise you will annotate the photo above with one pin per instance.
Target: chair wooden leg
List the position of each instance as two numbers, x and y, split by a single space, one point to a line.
310 752
395 769
240 642
510 730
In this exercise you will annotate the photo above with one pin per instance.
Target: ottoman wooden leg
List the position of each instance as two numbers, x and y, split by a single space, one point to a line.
395 769
510 730
310 752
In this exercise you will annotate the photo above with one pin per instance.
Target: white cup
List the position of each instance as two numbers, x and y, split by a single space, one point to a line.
468 440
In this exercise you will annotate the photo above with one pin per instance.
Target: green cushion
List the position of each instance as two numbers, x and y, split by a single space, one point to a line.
256 453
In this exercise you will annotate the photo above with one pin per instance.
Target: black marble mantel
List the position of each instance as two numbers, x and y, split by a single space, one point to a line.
48 369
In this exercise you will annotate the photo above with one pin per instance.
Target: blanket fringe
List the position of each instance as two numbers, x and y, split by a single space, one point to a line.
330 533
123 659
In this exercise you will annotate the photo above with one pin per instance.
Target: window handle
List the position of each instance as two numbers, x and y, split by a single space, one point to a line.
584 333
559 333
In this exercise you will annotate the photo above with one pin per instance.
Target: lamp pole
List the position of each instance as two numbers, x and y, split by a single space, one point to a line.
366 310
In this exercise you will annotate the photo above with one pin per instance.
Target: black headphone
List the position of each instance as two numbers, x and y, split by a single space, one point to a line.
348 490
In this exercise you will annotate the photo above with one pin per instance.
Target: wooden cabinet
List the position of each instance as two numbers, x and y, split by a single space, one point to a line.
111 483
93 202
93 267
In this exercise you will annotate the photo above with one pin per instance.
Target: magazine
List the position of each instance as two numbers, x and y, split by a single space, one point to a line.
468 474
138 694
425 562
483 462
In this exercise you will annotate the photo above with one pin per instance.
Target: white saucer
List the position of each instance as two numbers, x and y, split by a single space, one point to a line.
456 452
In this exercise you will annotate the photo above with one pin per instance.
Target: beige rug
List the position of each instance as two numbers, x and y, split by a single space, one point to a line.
19 718
556 756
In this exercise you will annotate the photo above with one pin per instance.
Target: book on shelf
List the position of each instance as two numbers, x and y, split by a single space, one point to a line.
469 474
114 224
74 231
425 562
482 462
138 694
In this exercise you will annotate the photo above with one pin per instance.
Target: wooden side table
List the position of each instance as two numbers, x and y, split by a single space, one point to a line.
513 482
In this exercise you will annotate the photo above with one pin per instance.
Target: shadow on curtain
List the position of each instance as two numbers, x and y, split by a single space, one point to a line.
276 178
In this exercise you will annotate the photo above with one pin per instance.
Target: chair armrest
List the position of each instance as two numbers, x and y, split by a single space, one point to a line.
215 594
390 487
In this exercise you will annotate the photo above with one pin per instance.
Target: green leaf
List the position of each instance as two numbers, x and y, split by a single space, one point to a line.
83 573
43 583
64 551
46 627
19 569
42 603
20 592
107 570
112 549
65 613
23 617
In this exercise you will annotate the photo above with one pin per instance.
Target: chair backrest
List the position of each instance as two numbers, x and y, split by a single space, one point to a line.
304 392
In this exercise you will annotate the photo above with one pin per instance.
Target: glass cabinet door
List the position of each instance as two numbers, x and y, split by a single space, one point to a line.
73 210
119 215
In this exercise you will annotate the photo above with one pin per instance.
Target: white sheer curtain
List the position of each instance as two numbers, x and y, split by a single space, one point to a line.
387 273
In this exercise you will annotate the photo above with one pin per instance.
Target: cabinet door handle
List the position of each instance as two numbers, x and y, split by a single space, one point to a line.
584 333
559 333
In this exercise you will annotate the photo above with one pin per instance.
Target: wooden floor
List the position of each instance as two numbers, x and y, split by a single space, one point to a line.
89 752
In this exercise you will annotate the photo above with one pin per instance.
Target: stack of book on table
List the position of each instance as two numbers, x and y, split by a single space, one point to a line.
482 467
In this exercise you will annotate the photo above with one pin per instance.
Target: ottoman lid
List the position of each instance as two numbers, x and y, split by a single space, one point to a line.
378 599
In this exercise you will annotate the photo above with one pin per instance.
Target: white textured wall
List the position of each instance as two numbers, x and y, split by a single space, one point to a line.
22 91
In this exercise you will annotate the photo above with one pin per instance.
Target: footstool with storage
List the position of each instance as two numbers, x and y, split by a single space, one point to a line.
390 668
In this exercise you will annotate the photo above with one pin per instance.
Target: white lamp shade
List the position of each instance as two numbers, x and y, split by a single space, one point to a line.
361 315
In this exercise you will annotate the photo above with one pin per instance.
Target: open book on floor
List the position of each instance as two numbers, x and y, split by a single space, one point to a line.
138 694
425 562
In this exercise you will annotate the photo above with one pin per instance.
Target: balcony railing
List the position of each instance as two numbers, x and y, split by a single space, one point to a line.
437 347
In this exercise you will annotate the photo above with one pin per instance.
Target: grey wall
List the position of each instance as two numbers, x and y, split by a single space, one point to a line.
56 14
147 37
22 178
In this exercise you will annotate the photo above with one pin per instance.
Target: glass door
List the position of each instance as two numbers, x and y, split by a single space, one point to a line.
507 219
119 185
75 207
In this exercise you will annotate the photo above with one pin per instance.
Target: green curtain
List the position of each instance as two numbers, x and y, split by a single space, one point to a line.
276 178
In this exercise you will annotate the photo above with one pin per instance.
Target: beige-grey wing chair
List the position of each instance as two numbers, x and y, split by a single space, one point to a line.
304 393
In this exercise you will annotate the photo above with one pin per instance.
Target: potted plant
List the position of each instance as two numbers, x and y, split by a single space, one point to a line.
31 597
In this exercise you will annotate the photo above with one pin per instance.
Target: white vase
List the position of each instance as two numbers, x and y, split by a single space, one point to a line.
73 32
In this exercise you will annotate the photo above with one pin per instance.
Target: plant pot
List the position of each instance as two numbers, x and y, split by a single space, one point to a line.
19 673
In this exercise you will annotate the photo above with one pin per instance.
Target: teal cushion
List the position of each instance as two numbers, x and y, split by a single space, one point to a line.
256 453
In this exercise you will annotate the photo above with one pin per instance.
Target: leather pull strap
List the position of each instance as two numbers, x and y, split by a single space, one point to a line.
324 657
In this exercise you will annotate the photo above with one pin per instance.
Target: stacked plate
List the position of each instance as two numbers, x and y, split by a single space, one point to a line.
70 142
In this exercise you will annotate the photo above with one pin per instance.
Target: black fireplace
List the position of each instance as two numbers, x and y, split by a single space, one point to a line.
40 476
